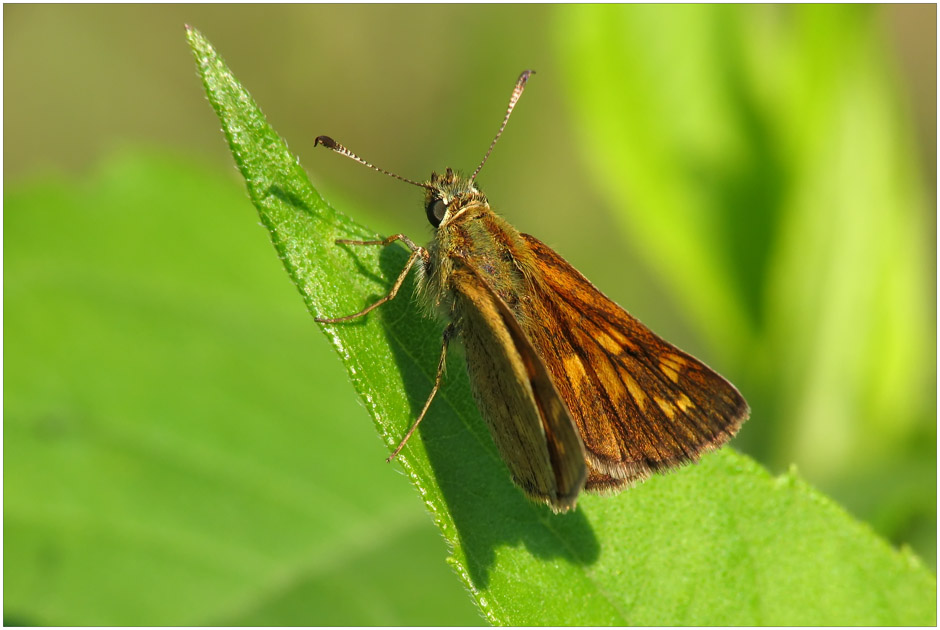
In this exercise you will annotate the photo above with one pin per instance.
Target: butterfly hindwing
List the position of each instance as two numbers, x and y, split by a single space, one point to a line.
527 418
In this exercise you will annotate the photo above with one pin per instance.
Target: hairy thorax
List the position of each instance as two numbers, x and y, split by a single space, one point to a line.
473 237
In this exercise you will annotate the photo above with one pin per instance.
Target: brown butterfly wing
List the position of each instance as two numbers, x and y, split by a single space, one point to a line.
526 416
641 404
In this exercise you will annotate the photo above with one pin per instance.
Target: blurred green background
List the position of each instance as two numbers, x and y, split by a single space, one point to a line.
181 446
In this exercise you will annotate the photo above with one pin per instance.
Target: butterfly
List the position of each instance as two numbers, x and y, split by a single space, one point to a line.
576 392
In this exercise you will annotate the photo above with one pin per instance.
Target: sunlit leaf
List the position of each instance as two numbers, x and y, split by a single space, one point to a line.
718 543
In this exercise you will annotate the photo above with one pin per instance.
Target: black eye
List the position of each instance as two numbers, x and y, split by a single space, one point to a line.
436 210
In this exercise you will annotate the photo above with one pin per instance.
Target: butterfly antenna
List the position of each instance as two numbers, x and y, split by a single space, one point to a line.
330 143
516 93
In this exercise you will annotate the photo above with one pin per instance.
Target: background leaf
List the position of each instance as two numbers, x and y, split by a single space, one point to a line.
784 205
164 461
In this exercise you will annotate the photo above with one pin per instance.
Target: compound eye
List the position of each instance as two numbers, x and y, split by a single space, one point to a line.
436 211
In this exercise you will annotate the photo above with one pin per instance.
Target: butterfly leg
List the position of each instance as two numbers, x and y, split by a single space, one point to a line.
416 252
448 334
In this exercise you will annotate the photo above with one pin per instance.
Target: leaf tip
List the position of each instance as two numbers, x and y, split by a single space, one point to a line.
196 40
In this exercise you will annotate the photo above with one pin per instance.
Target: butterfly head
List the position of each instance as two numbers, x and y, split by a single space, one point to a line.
449 193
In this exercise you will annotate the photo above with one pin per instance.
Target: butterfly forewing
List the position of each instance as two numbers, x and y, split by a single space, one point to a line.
640 404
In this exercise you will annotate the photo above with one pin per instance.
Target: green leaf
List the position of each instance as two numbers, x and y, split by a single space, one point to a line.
719 543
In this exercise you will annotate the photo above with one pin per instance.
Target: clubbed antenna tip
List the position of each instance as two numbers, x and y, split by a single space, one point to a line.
333 145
